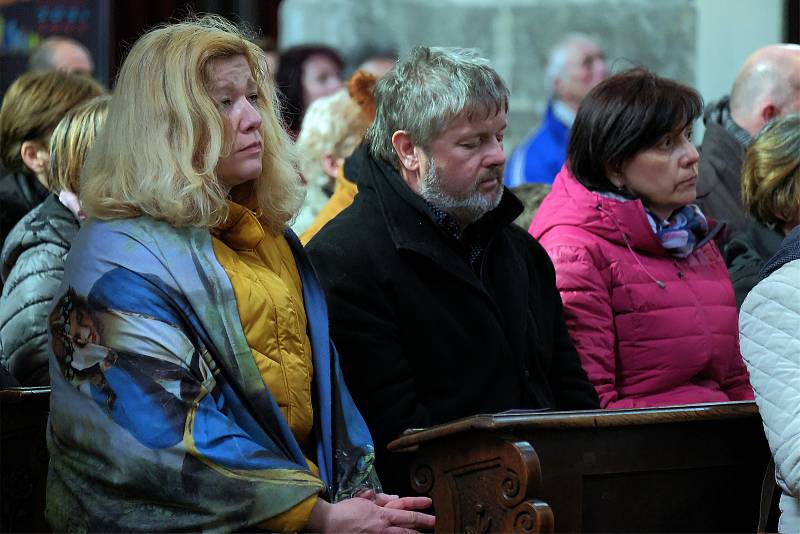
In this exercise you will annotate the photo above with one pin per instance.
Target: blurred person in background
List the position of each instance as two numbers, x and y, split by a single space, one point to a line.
531 196
190 355
61 53
306 73
646 293
374 60
32 107
360 88
771 199
767 87
332 129
575 65
32 259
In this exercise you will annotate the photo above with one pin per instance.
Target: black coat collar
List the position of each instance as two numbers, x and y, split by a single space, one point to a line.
409 220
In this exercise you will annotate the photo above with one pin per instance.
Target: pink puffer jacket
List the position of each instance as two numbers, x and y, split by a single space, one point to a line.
651 329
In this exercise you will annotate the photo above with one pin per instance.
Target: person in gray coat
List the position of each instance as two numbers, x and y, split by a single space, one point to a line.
766 88
32 258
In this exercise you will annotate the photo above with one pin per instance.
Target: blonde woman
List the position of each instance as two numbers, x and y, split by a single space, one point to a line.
31 108
32 259
359 89
333 127
770 182
194 385
769 322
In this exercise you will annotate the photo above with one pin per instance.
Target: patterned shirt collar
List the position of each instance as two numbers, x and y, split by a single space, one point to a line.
446 222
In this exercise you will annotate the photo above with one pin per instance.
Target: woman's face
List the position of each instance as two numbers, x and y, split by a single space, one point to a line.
320 78
665 175
233 89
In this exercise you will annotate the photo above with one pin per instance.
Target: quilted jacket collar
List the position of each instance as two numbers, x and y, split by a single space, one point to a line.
241 230
789 251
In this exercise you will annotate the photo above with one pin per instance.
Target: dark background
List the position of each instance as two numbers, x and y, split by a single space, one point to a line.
109 27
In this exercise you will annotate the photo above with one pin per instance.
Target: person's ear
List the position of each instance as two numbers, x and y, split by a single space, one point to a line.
768 113
330 165
406 151
33 156
616 178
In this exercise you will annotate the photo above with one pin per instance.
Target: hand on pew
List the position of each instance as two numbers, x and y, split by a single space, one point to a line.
371 512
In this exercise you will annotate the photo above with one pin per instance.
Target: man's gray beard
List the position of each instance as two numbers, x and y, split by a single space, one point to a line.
465 210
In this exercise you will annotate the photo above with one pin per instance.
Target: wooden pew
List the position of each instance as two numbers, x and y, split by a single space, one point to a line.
23 458
678 469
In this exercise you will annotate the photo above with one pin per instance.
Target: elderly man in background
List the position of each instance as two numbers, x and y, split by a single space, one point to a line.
440 307
61 53
575 65
767 87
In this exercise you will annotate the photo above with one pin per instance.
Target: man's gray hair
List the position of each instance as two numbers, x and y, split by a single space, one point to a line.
557 58
429 88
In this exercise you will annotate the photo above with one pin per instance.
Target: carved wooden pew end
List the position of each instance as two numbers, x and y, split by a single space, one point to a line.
676 469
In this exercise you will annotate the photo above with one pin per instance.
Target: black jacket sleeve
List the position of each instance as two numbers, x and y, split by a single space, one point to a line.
365 330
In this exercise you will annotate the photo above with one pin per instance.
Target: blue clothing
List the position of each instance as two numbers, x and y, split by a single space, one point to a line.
540 157
160 419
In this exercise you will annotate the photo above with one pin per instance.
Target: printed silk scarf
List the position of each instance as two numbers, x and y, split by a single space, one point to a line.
681 231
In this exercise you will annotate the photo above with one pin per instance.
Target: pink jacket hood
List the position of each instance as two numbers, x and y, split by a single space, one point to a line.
571 204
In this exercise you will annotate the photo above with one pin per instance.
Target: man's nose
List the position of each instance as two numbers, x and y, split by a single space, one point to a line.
497 155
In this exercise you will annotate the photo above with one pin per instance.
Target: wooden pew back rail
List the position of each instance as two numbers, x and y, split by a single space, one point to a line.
678 469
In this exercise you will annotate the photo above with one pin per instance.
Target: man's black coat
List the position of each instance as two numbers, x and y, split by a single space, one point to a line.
423 336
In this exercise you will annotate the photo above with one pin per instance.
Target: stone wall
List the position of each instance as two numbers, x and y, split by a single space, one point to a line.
514 34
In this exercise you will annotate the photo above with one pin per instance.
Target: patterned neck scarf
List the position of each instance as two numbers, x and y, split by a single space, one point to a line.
681 231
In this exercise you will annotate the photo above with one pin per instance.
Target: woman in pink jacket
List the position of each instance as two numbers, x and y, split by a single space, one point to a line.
647 297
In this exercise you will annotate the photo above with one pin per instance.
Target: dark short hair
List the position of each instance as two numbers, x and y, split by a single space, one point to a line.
289 80
623 115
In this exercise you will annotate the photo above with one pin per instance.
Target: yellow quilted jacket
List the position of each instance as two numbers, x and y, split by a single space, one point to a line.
343 196
269 296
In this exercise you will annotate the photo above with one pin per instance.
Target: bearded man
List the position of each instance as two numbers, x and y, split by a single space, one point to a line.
439 306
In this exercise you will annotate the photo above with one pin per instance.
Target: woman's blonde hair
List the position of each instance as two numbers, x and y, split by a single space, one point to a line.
333 125
771 173
32 107
166 134
71 141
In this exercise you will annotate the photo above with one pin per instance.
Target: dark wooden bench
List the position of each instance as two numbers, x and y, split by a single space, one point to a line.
678 469
23 458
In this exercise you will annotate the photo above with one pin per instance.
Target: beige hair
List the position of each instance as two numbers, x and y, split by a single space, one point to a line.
168 134
333 125
771 173
32 107
71 140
